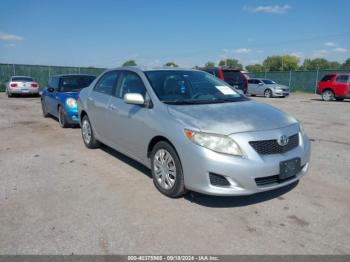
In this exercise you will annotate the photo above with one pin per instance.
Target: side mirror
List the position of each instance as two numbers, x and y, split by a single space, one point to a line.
51 89
134 99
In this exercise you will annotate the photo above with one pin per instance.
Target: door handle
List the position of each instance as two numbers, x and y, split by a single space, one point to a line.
113 107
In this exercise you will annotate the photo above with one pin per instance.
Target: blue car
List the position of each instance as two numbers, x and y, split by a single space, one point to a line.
59 98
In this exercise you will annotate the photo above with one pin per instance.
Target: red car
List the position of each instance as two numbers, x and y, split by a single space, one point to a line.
234 77
334 86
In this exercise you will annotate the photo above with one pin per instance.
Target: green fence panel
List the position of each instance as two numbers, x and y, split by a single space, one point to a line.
305 81
41 73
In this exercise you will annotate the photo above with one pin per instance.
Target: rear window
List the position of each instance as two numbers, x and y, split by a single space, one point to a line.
327 78
233 78
21 79
75 83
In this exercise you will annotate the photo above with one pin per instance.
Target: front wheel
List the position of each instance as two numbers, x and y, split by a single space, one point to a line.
167 170
62 117
43 107
268 93
327 95
88 134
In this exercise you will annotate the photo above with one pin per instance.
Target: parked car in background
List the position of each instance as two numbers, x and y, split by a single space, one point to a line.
334 86
194 131
267 88
22 85
59 98
234 77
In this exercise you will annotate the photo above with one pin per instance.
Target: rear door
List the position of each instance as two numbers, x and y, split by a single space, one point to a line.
98 101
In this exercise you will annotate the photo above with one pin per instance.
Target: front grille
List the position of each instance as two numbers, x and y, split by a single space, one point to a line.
273 180
268 147
270 180
218 180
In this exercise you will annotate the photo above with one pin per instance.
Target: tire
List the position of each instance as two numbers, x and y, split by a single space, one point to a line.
163 159
339 99
62 118
9 95
268 93
252 95
327 95
87 134
43 107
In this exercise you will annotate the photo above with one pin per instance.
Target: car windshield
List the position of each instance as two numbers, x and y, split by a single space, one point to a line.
191 87
21 79
268 82
75 83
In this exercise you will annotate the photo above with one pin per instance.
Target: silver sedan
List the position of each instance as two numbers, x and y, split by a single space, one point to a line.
194 131
22 85
267 88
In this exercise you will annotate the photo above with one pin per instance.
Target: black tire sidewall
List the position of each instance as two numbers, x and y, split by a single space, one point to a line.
43 107
62 117
178 190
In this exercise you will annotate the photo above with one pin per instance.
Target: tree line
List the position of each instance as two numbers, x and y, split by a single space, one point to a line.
272 63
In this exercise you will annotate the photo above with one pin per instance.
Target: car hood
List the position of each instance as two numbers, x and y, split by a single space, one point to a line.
66 95
229 118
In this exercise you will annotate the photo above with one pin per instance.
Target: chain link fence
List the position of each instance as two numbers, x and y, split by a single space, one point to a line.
305 81
41 74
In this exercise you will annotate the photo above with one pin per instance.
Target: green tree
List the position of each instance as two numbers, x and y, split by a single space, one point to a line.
209 64
346 64
281 63
130 63
255 68
232 63
171 64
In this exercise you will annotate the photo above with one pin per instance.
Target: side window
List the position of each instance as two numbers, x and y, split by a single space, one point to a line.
342 79
251 81
106 83
130 83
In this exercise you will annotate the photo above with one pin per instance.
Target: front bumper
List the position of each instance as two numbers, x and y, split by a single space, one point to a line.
241 172
72 115
280 93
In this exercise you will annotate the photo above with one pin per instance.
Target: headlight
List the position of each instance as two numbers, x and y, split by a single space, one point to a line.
217 143
301 128
71 102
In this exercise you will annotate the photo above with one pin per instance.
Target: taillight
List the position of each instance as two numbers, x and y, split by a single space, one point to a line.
35 85
13 84
221 74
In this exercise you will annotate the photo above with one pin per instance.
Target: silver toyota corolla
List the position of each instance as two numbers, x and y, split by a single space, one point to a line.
194 131
267 88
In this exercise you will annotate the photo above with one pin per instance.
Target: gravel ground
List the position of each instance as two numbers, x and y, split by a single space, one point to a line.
57 197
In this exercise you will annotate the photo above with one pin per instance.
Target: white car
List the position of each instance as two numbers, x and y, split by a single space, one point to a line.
22 85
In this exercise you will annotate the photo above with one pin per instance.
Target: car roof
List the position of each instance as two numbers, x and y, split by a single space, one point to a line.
22 76
63 75
148 69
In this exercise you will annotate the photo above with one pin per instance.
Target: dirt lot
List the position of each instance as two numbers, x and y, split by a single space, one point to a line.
57 197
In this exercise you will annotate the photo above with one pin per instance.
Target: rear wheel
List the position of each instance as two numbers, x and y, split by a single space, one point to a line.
62 117
327 95
88 134
268 93
8 94
167 170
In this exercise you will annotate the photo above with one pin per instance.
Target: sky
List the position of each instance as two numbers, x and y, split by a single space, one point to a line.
189 32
